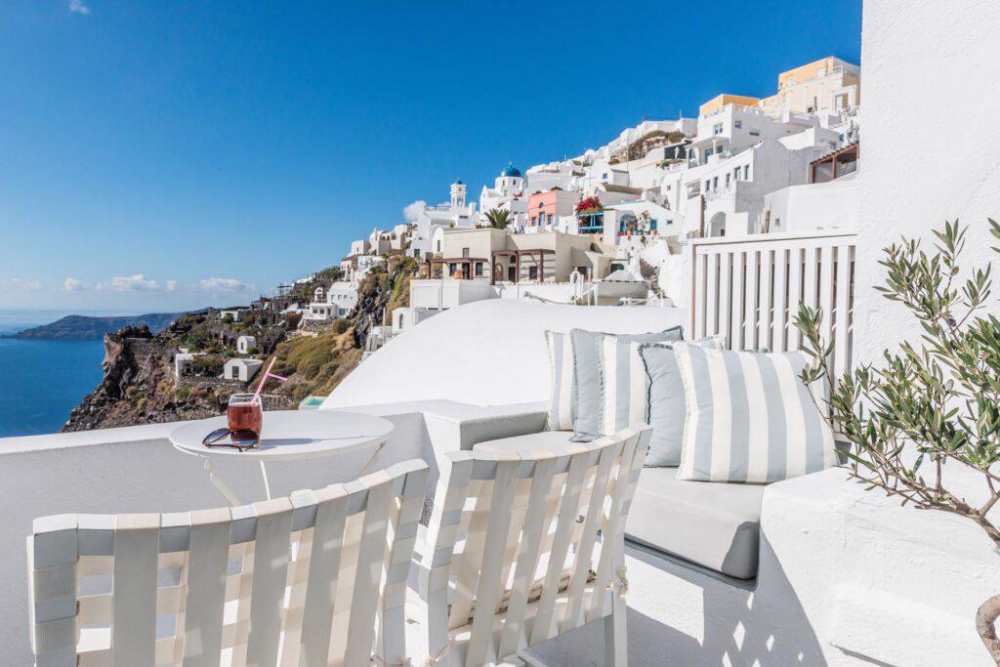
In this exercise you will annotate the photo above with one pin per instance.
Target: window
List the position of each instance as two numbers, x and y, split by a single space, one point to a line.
737 124
715 183
754 133
717 128
452 268
746 172
727 179
708 185
465 252
479 269
532 273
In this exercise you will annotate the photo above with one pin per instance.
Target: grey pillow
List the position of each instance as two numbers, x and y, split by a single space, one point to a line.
666 404
589 373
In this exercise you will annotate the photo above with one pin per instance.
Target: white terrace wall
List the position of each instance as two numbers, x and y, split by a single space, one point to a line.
931 148
135 469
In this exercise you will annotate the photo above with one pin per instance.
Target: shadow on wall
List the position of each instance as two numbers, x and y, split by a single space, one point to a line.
761 623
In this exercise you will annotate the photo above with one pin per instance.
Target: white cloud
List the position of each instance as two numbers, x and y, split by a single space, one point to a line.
73 285
171 285
20 285
134 283
224 285
78 7
411 212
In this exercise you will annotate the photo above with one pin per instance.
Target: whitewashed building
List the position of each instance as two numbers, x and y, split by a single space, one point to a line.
242 369
342 295
457 212
508 192
244 344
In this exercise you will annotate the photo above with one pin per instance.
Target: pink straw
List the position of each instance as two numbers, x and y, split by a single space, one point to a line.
267 375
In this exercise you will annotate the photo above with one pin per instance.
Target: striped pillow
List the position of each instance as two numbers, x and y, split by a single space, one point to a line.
749 417
562 397
663 400
610 381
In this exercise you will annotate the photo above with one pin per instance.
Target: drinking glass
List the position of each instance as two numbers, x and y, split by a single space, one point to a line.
245 414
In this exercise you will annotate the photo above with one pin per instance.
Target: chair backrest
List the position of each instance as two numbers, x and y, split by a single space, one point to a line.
519 529
303 580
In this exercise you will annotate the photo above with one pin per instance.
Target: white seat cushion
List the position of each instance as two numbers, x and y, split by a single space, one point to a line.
713 524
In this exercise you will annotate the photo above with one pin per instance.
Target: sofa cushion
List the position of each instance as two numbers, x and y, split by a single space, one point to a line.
715 525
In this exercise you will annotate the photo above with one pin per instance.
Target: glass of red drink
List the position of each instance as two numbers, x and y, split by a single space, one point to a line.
245 415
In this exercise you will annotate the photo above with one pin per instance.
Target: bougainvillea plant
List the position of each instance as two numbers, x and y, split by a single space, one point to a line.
589 205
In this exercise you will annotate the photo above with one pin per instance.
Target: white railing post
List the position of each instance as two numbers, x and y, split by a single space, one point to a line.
749 289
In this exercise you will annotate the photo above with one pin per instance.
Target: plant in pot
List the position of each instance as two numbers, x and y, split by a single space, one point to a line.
930 406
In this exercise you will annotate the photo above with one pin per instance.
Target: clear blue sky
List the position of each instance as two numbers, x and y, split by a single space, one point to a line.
189 141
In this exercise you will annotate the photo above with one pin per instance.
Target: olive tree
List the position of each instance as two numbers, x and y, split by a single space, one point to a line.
930 405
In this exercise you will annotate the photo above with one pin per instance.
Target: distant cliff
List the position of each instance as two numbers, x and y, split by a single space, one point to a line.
82 327
140 386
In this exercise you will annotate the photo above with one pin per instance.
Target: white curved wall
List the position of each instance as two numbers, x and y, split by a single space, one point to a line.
930 146
485 353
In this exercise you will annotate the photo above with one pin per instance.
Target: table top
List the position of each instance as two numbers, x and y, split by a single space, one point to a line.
290 434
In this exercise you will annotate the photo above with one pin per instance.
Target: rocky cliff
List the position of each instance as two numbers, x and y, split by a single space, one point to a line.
140 386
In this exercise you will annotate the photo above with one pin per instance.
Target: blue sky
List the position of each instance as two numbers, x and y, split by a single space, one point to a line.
172 154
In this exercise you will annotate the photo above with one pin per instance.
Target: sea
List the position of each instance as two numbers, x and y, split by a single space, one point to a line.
42 380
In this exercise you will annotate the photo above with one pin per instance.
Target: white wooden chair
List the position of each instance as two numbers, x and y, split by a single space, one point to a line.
522 546
318 578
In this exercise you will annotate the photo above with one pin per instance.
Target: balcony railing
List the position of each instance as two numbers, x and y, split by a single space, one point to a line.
749 290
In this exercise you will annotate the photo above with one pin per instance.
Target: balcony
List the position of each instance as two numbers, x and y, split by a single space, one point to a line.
843 576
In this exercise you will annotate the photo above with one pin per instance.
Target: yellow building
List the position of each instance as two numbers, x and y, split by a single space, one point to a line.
719 101
825 85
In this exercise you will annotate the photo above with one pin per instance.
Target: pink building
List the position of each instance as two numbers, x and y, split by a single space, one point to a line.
544 208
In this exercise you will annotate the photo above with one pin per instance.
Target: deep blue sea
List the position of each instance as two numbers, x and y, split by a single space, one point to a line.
41 380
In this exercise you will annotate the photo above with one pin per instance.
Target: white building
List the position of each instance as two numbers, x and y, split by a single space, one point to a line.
233 314
508 192
813 206
343 296
457 212
639 220
241 369
320 311
182 360
357 267
360 247
244 344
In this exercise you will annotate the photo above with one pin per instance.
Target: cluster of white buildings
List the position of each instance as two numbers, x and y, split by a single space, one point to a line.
745 165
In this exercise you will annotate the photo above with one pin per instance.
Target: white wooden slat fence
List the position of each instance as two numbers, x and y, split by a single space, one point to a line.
530 544
317 578
749 289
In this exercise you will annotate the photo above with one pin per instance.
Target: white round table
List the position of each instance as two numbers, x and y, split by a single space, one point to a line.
287 435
